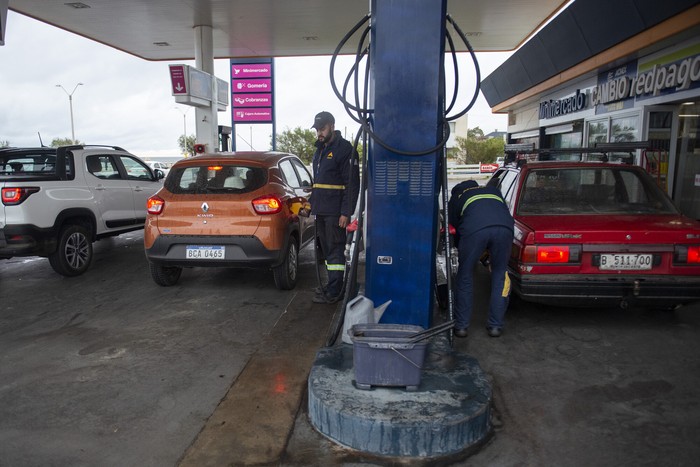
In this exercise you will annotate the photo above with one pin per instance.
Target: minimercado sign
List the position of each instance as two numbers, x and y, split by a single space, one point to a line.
559 107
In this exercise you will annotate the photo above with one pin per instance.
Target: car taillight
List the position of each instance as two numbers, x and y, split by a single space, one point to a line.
686 254
155 205
16 195
268 204
552 254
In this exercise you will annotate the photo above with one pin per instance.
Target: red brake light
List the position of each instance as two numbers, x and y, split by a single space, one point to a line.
269 204
687 255
155 205
16 195
551 254
694 254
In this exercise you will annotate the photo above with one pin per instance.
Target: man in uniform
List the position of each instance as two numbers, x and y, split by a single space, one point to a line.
483 222
336 174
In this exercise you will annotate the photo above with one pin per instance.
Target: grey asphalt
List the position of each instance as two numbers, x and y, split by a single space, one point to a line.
109 369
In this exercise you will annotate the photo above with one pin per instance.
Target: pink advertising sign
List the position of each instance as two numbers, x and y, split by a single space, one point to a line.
252 115
251 85
252 100
251 70
178 79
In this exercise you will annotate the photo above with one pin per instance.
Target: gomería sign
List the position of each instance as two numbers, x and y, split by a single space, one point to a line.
559 107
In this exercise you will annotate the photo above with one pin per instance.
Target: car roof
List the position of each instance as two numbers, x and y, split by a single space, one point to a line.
45 149
267 158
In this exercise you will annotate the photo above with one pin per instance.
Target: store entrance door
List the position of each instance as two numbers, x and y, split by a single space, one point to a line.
687 189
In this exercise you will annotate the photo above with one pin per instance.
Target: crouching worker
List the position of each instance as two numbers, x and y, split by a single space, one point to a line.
483 222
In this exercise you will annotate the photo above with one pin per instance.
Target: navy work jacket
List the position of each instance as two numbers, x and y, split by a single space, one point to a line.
336 176
472 208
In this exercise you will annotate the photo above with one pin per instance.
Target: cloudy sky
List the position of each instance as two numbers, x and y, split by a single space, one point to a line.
126 101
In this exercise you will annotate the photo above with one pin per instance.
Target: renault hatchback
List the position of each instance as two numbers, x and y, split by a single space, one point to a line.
230 210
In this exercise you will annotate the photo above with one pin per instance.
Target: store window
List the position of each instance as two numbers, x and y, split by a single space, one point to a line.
688 156
569 135
624 129
613 130
597 132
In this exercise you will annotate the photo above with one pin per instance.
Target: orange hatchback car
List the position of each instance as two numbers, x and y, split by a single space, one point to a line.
230 210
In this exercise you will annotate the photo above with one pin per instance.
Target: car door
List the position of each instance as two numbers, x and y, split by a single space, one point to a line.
111 193
292 177
142 182
305 191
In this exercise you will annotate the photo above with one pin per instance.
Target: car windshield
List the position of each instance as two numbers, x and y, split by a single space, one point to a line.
595 190
203 179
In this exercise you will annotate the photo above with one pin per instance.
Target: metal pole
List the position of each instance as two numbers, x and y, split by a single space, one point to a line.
70 103
72 126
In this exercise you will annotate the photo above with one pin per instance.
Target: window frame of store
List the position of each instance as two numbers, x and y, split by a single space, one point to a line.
686 171
609 118
564 136
661 138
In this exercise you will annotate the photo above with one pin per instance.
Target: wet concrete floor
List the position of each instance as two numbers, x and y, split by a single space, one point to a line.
109 369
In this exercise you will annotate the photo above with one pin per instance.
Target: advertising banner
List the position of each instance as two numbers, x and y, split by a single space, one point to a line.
252 91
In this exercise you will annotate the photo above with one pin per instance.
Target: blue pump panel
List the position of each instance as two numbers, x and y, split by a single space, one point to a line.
402 199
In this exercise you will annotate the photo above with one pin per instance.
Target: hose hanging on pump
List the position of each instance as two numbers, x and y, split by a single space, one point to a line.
363 118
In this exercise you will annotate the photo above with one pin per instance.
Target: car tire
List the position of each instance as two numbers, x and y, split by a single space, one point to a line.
286 273
74 252
165 276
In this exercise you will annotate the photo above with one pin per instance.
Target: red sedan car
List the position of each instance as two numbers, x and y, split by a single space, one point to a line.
590 233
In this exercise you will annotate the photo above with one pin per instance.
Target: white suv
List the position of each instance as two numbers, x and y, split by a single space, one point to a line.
57 201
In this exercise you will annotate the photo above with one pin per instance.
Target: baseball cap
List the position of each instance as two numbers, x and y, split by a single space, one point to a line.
322 119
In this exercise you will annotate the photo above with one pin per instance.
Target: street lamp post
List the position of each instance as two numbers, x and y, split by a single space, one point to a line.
184 119
70 102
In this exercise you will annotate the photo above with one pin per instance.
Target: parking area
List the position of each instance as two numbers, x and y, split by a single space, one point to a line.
110 369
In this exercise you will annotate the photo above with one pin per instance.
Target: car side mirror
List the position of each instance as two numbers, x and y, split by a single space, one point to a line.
159 174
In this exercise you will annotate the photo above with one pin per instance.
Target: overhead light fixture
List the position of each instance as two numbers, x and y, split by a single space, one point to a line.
77 5
161 44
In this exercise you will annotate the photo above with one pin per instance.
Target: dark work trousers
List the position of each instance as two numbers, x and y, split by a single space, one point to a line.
332 241
498 241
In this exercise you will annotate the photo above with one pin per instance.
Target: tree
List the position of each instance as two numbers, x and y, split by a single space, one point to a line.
475 148
299 141
186 144
475 133
4 143
63 142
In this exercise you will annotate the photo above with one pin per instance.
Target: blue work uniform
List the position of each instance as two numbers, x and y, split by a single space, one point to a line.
483 222
334 194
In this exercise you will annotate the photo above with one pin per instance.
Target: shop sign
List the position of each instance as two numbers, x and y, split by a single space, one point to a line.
671 73
252 90
560 107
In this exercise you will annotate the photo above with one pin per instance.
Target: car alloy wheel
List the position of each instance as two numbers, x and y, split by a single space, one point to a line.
74 252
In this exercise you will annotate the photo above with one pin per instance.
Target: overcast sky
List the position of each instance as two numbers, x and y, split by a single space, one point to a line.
126 101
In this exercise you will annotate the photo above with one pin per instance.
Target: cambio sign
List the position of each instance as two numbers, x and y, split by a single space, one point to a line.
680 75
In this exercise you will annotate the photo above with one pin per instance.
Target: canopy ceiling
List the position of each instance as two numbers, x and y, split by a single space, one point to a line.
163 29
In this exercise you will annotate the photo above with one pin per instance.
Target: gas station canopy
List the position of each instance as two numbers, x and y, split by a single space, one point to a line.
163 29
